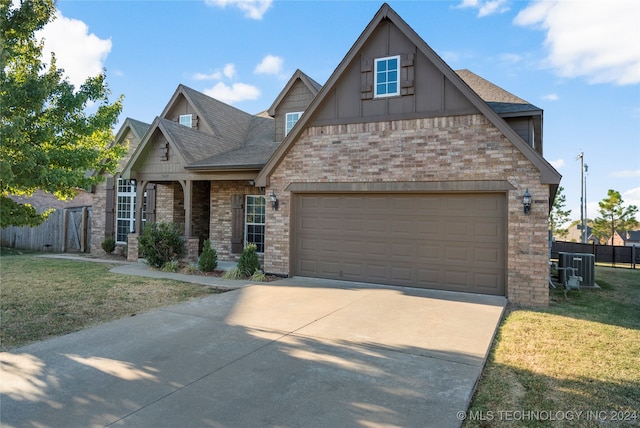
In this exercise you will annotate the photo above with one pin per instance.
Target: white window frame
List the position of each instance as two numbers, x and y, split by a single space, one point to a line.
376 74
288 128
252 218
128 215
125 208
186 120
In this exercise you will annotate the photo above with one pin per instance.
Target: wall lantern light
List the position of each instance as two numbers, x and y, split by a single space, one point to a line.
526 201
274 200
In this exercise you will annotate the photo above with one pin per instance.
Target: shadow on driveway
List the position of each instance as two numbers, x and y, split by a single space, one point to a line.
289 354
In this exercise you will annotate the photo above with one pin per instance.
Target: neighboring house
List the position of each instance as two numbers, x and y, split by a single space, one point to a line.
632 238
397 171
628 239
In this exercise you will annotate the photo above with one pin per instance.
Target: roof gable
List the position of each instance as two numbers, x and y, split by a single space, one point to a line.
221 128
137 127
313 87
400 39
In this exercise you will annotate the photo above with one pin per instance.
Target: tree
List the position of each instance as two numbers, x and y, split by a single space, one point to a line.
559 216
48 141
615 217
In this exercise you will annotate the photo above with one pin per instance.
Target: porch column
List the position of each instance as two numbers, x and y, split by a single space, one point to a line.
187 187
140 185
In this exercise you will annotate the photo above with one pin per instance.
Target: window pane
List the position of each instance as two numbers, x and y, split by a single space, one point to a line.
254 221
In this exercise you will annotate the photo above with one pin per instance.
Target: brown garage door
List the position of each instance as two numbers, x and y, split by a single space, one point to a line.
443 241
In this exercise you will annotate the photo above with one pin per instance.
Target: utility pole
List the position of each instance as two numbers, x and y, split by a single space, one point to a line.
583 223
586 215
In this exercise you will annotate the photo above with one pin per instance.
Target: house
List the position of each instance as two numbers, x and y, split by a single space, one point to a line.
397 170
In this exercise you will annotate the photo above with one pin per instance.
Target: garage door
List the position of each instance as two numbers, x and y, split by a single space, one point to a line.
443 241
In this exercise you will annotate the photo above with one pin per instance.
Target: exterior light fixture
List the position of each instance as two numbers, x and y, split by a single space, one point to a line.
526 202
274 200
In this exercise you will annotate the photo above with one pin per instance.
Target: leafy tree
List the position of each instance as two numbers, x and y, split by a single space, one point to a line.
615 217
559 216
47 139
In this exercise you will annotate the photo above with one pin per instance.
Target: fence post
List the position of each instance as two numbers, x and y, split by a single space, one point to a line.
83 230
65 225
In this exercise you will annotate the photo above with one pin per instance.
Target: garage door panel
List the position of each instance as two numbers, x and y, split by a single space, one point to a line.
445 241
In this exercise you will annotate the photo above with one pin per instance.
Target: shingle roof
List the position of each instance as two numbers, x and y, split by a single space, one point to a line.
499 100
229 124
140 128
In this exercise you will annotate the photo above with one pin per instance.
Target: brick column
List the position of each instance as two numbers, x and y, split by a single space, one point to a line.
192 249
132 247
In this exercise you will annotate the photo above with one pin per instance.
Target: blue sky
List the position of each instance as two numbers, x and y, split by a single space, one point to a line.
578 60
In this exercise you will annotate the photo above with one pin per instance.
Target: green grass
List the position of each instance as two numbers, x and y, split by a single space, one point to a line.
578 355
44 297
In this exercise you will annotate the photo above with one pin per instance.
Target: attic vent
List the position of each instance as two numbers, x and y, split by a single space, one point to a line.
164 152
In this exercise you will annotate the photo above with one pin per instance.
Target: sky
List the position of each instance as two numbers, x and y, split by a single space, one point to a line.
578 60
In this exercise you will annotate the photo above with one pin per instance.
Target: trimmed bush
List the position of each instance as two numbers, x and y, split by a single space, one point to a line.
160 243
109 245
208 260
248 262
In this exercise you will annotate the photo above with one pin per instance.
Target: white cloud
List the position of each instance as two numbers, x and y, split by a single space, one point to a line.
557 164
228 71
216 75
593 39
235 93
253 9
485 8
631 197
81 54
550 97
626 173
270 64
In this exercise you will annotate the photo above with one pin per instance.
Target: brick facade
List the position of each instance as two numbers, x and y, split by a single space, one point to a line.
220 226
443 149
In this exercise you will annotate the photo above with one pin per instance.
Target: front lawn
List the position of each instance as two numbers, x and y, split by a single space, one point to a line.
575 363
44 297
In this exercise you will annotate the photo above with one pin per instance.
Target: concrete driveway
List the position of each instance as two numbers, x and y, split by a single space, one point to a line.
291 353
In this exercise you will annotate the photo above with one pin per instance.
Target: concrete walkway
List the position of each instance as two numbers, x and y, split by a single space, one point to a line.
292 353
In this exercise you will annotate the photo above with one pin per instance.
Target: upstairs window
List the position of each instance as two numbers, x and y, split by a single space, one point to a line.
387 73
291 120
185 119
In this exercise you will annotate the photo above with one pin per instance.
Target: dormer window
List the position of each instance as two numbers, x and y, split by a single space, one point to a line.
291 120
386 77
185 119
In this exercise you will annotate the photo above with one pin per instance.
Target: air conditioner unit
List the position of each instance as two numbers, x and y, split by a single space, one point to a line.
583 265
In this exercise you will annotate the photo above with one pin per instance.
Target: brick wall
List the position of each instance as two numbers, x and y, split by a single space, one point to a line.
98 218
220 226
432 149
99 198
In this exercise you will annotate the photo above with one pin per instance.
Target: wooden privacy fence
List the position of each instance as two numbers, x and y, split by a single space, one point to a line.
612 254
65 230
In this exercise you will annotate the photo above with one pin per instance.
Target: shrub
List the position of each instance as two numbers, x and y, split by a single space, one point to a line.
208 261
109 245
160 243
258 276
171 266
232 274
248 262
191 269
